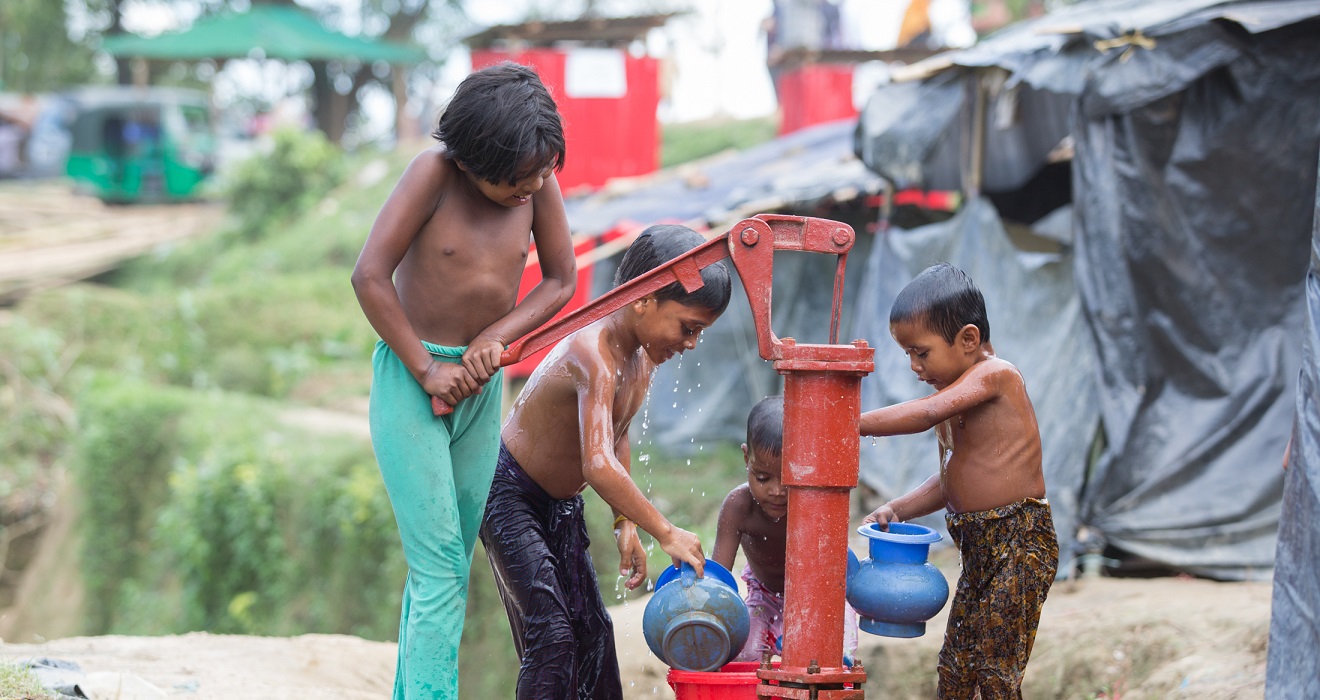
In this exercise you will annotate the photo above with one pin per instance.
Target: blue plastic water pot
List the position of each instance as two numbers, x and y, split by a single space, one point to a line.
696 624
896 590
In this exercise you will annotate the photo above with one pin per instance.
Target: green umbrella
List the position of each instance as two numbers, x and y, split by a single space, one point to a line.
280 32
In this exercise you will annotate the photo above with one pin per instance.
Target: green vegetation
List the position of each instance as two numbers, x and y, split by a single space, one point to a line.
19 683
163 391
684 142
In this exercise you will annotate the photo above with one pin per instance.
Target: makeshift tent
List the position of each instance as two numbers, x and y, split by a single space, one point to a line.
1194 128
275 31
702 398
1291 671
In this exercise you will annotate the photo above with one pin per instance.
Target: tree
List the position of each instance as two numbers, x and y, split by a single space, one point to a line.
36 53
337 85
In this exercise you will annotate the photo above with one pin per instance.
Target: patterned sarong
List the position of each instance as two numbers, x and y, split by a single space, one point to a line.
1009 558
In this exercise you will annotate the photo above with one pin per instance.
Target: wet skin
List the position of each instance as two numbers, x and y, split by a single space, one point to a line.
986 427
443 261
754 516
568 428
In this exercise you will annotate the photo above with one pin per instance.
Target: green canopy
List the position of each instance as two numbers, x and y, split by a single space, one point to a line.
278 31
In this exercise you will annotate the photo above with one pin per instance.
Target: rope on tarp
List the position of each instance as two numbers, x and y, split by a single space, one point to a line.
1131 41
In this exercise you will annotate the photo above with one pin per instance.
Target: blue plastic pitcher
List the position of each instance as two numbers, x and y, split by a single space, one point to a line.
895 590
696 624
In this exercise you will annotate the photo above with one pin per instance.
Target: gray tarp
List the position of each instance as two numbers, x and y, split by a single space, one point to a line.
1291 672
703 398
1194 216
1035 322
1192 179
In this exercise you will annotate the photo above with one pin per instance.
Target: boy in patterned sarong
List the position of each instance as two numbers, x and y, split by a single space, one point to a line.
990 481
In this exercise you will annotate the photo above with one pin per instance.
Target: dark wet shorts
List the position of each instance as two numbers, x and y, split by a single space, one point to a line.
537 547
1009 557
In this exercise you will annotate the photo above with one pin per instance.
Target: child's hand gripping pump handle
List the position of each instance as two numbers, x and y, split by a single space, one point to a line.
511 355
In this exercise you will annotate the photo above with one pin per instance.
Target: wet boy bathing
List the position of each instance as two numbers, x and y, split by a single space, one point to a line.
438 280
990 481
567 430
753 517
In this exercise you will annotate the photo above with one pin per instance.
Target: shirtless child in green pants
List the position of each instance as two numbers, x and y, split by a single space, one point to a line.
438 280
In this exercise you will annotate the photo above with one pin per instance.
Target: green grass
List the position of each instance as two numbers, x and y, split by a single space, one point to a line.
19 683
681 143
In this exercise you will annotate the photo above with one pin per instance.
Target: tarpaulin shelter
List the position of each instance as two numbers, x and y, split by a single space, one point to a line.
1162 347
703 397
1291 672
274 31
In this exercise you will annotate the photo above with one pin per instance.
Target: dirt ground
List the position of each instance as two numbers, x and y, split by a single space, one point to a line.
1117 638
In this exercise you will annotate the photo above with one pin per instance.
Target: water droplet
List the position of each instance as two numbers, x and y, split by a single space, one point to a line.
873 442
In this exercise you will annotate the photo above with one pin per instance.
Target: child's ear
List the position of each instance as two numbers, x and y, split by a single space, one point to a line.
641 305
744 449
969 338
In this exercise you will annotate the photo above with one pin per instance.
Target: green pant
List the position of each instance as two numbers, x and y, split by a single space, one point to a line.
437 471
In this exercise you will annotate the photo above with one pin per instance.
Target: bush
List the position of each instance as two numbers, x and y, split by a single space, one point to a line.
126 447
35 420
274 187
204 513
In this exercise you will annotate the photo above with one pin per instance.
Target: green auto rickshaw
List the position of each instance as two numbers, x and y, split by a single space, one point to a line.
131 144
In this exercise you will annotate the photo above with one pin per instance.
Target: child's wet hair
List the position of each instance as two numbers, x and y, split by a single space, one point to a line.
661 243
502 125
943 299
765 426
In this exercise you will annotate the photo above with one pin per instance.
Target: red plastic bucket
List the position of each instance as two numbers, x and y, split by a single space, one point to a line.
734 681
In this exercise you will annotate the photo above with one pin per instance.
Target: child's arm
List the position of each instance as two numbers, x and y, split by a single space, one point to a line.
632 556
401 218
610 477
976 386
923 500
727 535
554 252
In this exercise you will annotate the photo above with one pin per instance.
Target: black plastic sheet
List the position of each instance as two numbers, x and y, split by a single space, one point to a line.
1190 253
1035 322
1194 127
1293 669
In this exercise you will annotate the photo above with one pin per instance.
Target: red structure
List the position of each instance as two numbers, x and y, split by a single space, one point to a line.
608 97
607 137
815 93
822 403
